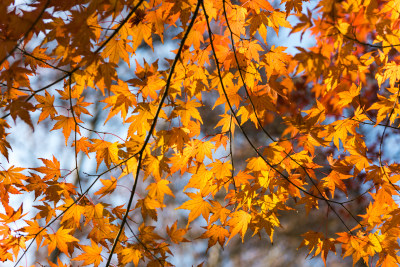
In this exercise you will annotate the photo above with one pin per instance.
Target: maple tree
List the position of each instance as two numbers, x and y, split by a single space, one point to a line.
76 68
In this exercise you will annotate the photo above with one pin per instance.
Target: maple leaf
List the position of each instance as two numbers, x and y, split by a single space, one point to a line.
346 97
91 255
204 149
221 169
187 110
216 233
67 124
177 136
296 5
197 206
116 50
276 61
61 239
176 234
12 215
226 122
4 144
130 167
51 169
333 180
12 176
59 263
83 145
34 230
46 103
176 116
148 207
38 55
131 254
109 186
220 139
259 4
257 164
72 213
159 189
105 151
156 166
20 108
239 222
46 211
219 212
392 71
201 178
157 18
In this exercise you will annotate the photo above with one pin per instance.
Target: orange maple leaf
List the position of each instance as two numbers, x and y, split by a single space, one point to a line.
176 234
197 206
109 186
91 255
239 222
216 233
61 239
67 124
51 169
46 103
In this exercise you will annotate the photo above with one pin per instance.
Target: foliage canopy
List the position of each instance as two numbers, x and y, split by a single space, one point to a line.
65 66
